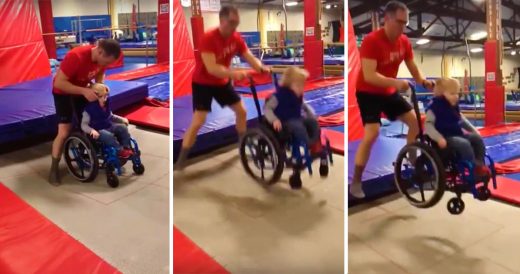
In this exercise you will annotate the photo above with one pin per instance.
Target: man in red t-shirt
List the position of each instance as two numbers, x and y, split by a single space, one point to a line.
381 52
212 76
71 89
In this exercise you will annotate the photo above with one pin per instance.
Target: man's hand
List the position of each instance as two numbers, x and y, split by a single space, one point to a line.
125 121
428 84
277 125
442 143
402 85
94 134
90 94
238 74
265 69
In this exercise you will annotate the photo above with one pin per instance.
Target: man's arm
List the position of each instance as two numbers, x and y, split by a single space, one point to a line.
62 83
210 62
252 60
368 68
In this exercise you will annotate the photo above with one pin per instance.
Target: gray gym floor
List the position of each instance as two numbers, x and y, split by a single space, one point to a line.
127 226
251 229
390 236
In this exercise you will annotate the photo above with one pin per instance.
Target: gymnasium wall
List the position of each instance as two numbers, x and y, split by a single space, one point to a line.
430 66
273 15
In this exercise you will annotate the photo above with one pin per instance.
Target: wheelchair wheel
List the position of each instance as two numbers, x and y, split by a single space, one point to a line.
422 182
324 168
483 193
455 206
81 157
138 169
261 156
112 179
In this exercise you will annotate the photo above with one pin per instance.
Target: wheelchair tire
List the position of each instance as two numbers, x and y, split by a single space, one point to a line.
455 206
295 181
77 142
324 170
277 154
138 169
112 179
429 154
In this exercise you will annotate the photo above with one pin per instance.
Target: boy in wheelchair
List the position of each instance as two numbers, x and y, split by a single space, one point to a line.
283 110
445 123
102 125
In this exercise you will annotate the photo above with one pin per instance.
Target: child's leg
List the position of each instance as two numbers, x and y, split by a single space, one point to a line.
108 138
297 128
313 129
462 148
478 147
122 134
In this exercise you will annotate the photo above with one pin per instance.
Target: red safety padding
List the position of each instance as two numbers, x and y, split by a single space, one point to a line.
494 90
309 86
188 258
258 79
336 119
183 54
140 73
22 51
47 23
118 63
355 126
512 166
499 129
148 116
163 31
337 140
507 190
30 243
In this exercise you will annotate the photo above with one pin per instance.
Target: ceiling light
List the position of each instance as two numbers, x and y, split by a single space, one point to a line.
513 52
335 6
328 7
475 50
186 3
423 41
478 35
290 4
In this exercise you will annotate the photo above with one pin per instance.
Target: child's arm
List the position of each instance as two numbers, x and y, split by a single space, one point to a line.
85 121
269 107
117 119
466 124
429 127
309 112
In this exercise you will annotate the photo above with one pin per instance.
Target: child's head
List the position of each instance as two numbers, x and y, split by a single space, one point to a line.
101 91
294 78
449 88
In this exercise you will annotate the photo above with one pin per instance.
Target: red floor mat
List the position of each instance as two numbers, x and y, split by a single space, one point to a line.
507 190
337 140
335 119
148 116
188 258
29 243
499 129
140 73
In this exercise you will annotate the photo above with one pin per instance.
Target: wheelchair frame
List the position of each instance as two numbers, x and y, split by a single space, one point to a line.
274 149
460 179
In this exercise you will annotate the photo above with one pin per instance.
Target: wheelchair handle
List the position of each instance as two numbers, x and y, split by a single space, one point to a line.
255 97
417 111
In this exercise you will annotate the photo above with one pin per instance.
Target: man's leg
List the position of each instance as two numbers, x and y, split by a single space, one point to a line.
241 118
57 148
362 155
189 138
413 128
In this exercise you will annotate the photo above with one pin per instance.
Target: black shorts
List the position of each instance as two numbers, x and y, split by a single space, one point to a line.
68 106
204 94
372 105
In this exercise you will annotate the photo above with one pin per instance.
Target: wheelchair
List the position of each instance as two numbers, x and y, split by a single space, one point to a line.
423 172
85 156
265 153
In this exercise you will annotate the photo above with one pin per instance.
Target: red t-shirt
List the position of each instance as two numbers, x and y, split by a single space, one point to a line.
389 55
78 67
224 49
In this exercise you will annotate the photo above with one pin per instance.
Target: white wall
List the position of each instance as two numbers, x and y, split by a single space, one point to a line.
79 7
430 65
125 6
248 19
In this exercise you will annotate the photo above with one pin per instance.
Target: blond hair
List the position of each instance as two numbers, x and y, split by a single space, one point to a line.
293 74
99 88
443 84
